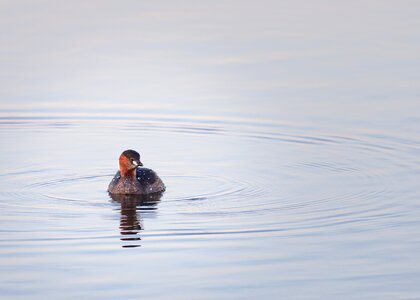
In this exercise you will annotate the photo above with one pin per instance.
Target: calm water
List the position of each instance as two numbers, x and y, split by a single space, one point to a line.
286 134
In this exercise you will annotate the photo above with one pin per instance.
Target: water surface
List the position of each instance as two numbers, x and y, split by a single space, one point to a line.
286 134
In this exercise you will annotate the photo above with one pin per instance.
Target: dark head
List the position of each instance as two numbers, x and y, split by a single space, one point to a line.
129 161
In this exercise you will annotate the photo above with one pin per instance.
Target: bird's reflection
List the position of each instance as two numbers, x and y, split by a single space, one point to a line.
130 219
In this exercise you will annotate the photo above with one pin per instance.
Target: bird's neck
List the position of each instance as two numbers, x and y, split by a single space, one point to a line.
127 172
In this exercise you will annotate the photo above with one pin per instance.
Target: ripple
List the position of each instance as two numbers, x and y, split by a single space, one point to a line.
319 182
56 189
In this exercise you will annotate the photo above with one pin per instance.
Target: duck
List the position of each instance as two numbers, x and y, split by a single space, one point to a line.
133 178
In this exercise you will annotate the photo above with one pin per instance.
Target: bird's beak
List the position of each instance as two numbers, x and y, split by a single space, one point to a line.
138 163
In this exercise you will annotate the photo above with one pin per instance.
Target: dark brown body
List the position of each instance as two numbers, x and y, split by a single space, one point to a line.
145 181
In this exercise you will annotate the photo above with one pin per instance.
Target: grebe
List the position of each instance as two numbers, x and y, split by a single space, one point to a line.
133 180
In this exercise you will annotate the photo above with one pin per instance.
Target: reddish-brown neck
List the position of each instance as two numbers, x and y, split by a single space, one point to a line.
126 168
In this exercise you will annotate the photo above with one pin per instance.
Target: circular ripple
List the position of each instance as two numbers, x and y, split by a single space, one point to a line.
316 181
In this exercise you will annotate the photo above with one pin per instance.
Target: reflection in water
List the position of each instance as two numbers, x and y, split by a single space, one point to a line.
130 221
287 135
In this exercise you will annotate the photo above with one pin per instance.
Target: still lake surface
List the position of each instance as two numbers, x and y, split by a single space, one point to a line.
287 138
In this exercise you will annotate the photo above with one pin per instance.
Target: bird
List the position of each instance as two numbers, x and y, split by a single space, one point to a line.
133 179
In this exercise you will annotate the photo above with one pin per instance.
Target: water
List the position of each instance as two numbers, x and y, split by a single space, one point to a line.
287 137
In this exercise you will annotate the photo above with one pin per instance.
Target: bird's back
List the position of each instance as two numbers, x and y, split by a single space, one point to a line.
146 182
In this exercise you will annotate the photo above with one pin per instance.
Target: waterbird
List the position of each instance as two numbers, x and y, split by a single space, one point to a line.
133 179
